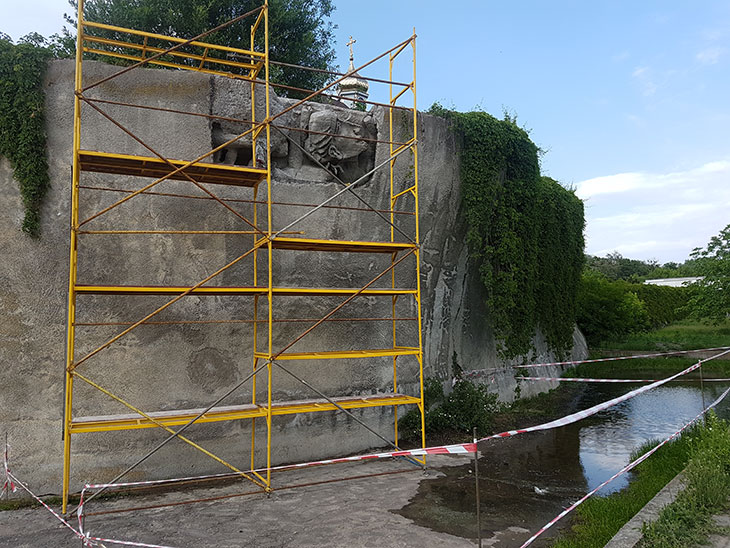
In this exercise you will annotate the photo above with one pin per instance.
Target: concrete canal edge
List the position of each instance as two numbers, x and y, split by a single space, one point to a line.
630 534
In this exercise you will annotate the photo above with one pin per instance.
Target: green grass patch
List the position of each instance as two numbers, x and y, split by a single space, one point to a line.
598 519
18 504
685 335
648 368
688 520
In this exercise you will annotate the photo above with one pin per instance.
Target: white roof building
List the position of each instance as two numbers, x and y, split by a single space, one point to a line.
675 282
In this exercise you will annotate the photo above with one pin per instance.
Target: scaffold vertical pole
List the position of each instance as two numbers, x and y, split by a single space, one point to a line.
476 488
392 239
418 243
270 280
73 252
255 317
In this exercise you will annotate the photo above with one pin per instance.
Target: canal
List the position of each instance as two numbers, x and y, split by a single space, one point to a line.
527 480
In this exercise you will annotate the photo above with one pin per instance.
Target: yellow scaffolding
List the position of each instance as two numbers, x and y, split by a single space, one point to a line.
137 49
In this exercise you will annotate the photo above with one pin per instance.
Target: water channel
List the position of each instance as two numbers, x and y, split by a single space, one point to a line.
563 464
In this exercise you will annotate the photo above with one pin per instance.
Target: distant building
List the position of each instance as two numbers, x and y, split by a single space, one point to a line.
675 282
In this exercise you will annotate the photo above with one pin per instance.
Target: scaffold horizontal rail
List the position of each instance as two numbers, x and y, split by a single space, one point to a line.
344 354
306 244
237 290
145 166
234 412
165 290
254 67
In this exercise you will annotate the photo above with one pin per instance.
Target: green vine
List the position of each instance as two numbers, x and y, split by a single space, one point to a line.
524 231
22 131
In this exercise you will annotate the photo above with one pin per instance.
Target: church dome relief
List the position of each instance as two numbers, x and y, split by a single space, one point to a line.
353 89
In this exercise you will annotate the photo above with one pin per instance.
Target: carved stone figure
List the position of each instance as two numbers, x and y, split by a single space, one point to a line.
333 141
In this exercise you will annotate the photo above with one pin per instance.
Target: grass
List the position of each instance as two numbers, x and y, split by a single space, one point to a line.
685 335
688 520
18 504
648 368
599 518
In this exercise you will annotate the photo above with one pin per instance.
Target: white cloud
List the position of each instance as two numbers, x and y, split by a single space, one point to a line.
637 121
621 182
643 75
710 56
656 215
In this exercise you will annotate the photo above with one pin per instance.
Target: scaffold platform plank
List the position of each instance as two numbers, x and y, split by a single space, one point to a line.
239 290
233 412
347 246
144 166
342 354
165 290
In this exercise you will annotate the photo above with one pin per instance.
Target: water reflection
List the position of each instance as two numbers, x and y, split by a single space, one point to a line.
563 464
606 443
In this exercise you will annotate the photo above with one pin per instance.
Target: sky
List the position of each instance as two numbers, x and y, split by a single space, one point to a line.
629 100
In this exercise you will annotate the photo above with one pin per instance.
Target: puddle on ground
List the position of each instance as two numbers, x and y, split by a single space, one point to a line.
527 480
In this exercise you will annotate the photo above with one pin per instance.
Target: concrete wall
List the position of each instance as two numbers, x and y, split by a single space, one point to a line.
187 366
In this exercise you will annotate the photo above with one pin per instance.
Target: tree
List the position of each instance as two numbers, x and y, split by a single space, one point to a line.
608 309
710 299
299 30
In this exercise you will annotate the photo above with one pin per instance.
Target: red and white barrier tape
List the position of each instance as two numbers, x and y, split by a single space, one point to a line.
462 448
620 472
80 514
574 379
481 372
128 543
455 449
80 535
8 483
569 419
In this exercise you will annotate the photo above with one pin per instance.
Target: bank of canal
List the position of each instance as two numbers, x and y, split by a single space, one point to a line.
527 480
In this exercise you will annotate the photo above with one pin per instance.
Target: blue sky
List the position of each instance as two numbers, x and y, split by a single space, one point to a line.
628 99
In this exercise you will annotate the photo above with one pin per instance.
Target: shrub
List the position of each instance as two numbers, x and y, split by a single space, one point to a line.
613 309
468 405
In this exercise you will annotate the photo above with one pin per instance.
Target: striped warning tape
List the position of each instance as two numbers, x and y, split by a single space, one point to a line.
128 543
574 379
625 469
8 483
80 535
86 535
569 419
461 448
482 372
455 449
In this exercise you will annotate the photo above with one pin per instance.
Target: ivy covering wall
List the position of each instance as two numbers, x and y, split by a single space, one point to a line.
524 231
22 131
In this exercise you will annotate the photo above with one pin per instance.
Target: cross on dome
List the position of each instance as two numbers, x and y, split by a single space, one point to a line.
353 88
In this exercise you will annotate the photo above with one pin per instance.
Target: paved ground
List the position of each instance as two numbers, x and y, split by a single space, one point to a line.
357 512
721 541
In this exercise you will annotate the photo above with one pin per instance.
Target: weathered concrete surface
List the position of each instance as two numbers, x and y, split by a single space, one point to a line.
188 366
719 540
356 512
330 506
